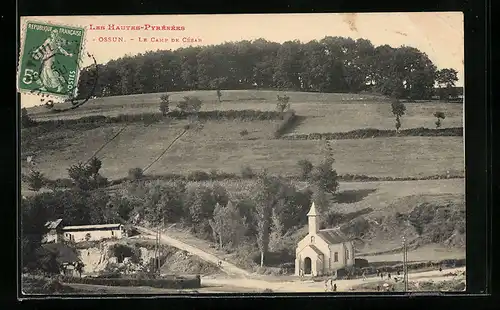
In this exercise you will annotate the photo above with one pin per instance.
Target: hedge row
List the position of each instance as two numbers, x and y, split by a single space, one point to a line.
289 120
365 178
156 117
393 269
376 133
220 176
171 283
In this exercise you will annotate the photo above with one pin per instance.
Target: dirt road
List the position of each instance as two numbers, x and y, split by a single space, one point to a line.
240 278
311 286
226 267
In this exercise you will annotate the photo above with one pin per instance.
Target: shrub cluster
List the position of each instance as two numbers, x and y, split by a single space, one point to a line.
289 119
365 178
173 282
378 133
149 118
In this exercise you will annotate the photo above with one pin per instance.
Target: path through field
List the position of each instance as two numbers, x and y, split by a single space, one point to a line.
226 267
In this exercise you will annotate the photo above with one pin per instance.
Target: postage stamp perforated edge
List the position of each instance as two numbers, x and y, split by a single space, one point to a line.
22 38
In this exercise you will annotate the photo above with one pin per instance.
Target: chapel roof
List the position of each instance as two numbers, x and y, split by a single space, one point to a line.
332 236
312 211
315 249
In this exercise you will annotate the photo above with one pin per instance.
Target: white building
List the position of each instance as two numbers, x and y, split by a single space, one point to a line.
93 232
57 232
322 251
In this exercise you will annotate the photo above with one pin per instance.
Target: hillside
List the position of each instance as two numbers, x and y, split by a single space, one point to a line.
429 212
219 143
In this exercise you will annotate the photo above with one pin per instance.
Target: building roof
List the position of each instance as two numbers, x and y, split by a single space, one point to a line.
312 211
315 249
65 254
53 224
332 236
92 227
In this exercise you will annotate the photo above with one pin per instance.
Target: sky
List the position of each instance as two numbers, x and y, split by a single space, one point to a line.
439 34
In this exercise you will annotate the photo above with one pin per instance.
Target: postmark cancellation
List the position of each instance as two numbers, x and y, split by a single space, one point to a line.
50 59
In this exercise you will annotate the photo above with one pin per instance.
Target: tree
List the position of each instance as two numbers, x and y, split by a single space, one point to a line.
277 229
439 116
320 199
135 173
305 168
35 180
398 110
190 104
324 177
283 103
94 166
164 104
265 198
446 79
79 173
332 64
227 225
219 94
86 176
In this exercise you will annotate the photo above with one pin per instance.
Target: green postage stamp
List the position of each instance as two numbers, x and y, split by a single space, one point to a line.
49 60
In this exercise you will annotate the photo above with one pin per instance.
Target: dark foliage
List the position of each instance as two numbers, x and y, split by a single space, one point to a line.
333 64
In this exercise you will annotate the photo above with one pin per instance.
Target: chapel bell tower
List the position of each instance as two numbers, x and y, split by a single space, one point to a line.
313 220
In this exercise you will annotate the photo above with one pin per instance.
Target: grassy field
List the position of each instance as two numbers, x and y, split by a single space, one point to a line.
231 99
324 117
218 145
322 112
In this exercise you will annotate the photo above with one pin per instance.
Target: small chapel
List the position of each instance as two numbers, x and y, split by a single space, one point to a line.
322 251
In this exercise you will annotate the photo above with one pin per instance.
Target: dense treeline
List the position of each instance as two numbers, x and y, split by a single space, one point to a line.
333 64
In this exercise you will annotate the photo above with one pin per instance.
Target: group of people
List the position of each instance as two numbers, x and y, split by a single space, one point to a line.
330 286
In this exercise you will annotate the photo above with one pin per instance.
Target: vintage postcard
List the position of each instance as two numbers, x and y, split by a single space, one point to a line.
174 154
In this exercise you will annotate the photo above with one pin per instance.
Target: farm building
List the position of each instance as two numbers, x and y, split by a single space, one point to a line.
57 232
93 232
54 234
322 252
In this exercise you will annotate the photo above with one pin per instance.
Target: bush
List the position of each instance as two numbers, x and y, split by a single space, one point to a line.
198 176
305 168
244 132
247 172
190 104
135 173
164 104
289 119
121 251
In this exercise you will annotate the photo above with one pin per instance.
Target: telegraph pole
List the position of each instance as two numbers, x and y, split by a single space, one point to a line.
158 250
405 267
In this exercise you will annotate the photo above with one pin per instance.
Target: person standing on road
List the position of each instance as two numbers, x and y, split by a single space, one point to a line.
326 285
364 275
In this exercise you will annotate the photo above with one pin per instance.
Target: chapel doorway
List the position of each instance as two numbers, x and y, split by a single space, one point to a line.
307 265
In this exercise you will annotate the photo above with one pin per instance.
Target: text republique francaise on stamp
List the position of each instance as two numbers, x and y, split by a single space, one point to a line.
50 59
